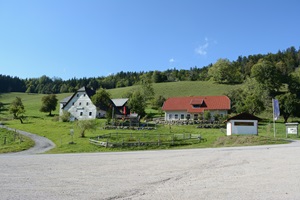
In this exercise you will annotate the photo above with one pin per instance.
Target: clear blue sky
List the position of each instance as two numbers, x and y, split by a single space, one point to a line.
91 38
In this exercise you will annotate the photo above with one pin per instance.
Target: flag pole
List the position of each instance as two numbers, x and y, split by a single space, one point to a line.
274 126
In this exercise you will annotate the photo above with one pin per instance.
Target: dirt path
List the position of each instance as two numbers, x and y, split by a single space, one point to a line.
42 144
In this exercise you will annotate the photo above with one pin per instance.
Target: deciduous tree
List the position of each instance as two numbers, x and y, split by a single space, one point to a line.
17 109
49 103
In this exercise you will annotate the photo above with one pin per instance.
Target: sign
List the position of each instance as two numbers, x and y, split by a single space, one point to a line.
291 128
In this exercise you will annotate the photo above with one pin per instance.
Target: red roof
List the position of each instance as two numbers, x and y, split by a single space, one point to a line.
197 104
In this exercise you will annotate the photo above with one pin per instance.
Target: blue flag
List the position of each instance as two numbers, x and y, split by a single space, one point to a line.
276 110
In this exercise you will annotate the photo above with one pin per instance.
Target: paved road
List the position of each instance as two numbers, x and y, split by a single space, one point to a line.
42 144
263 172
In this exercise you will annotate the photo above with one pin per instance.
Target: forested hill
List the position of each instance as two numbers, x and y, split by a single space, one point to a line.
223 71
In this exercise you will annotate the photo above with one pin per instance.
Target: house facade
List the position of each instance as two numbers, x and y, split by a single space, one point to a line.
191 108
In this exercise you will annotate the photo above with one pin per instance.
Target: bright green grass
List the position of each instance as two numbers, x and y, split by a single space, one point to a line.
13 142
59 132
182 88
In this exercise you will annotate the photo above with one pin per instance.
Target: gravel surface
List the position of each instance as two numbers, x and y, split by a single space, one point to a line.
258 172
42 144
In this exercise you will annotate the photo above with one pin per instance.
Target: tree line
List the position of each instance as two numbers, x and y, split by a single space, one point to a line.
223 71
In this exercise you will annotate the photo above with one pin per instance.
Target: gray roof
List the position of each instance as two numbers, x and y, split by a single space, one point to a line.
65 100
120 102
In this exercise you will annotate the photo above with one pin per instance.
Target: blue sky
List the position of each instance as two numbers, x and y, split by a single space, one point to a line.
72 38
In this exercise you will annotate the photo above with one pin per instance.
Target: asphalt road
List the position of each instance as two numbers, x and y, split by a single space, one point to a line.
260 172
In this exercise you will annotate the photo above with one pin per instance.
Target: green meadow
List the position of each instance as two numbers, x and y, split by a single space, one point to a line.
59 132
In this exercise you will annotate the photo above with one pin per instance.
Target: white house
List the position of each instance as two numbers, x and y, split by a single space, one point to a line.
81 107
183 108
243 123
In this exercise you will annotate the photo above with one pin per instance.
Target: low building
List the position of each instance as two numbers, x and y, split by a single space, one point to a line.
243 123
185 108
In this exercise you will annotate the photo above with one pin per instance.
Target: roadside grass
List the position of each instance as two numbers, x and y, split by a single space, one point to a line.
13 142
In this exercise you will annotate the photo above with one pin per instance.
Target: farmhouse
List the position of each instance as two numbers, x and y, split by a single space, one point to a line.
81 107
183 108
243 123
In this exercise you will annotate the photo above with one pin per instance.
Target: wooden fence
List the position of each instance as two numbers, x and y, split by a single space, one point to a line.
155 140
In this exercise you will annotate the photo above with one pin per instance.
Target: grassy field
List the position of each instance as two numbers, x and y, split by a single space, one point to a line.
13 142
182 88
59 132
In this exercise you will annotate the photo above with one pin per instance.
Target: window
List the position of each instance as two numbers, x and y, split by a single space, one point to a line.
81 113
182 116
84 94
90 113
176 116
170 116
87 103
80 103
244 123
196 106
73 103
195 116
77 95
188 116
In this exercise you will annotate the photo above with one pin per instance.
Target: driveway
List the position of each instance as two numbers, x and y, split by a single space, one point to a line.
42 144
258 172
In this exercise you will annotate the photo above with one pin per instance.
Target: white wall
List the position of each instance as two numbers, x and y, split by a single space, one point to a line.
233 128
83 107
170 115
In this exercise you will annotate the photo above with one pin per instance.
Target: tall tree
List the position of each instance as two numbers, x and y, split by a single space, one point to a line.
266 74
17 109
137 103
102 101
49 103
288 104
224 72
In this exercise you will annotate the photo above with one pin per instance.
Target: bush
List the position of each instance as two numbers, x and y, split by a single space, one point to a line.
65 116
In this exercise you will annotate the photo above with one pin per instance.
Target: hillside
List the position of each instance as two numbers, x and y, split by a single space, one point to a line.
181 88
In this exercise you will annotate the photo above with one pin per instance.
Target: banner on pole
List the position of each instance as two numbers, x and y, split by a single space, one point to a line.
276 111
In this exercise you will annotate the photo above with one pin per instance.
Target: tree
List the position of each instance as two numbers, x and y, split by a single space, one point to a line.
147 88
1 106
289 105
17 109
137 103
158 102
224 72
267 75
85 125
102 100
251 98
49 103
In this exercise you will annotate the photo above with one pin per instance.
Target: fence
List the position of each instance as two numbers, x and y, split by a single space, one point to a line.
9 137
136 140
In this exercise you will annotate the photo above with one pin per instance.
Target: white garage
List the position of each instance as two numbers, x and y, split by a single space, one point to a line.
243 123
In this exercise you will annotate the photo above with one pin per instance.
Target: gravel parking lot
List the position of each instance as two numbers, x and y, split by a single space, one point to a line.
260 172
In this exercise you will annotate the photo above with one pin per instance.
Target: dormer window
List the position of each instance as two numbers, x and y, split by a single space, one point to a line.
198 103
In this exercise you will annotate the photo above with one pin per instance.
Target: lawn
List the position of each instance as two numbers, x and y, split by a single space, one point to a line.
11 141
59 132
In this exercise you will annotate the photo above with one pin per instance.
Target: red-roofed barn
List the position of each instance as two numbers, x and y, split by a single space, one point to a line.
182 108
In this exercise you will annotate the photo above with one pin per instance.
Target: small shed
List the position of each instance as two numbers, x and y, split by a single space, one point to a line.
243 123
